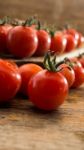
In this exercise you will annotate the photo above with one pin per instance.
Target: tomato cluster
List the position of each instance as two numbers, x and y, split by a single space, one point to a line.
47 88
23 40
66 40
26 39
54 83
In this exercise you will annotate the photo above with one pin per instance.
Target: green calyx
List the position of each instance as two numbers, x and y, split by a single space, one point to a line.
9 20
2 22
50 62
5 20
30 21
40 26
68 62
52 30
52 33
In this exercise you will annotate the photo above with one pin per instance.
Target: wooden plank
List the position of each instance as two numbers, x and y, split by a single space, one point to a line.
39 60
23 127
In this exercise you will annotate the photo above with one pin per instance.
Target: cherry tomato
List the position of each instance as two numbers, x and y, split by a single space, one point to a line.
81 40
10 80
68 73
58 43
79 74
4 29
22 41
27 71
44 42
74 33
48 90
81 60
71 43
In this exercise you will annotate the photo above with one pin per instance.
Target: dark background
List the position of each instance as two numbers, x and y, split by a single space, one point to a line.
58 12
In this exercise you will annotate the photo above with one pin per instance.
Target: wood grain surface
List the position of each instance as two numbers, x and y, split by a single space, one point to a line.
39 60
23 127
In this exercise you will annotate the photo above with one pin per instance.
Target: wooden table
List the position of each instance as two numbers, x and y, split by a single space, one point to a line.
23 127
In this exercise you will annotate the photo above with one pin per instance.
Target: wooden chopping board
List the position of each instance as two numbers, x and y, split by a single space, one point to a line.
39 60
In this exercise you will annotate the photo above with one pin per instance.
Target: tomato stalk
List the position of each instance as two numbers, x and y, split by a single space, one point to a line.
30 21
52 33
2 21
8 20
16 23
50 63
68 62
5 20
40 26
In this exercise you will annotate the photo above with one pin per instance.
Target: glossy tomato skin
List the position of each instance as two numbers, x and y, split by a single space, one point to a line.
71 43
58 43
27 71
4 29
22 41
68 73
80 40
81 60
44 41
47 90
79 74
74 33
10 80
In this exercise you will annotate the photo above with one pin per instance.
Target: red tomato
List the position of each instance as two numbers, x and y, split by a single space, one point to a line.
79 74
81 40
4 29
44 41
48 90
27 71
71 43
68 73
58 43
81 60
22 41
10 80
73 59
74 33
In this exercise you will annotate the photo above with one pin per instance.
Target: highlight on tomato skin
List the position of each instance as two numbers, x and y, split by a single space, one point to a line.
27 71
10 81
